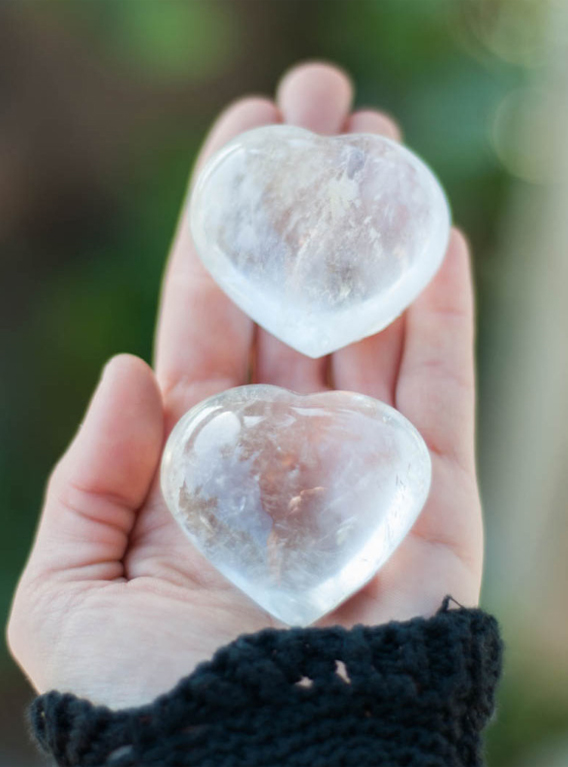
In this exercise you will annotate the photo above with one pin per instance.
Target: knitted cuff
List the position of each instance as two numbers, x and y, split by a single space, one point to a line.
413 694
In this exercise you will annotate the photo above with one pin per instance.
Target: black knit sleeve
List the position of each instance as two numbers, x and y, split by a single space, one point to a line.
413 694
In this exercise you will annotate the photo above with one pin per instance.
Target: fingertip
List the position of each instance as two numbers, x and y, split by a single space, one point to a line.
239 116
125 364
133 382
463 252
459 243
315 94
120 439
315 70
373 121
454 278
251 108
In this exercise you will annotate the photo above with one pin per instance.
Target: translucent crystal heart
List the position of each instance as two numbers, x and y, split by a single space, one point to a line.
298 500
321 240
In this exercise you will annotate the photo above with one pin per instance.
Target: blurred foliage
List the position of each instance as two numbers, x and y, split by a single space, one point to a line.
107 103
152 38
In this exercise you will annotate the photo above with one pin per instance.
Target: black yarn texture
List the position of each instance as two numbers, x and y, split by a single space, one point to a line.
412 694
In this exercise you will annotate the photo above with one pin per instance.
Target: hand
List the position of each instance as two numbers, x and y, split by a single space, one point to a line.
114 605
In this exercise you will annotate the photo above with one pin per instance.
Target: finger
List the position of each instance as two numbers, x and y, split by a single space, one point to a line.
436 385
203 339
443 553
371 365
104 477
373 121
317 97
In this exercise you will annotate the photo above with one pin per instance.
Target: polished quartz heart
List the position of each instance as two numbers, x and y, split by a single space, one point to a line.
298 500
321 240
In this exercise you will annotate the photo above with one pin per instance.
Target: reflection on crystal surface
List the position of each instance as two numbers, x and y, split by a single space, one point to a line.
297 500
321 240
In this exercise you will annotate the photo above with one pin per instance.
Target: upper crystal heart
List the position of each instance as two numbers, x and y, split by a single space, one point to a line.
321 240
298 500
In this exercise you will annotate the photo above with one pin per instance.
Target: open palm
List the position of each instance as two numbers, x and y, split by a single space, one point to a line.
114 604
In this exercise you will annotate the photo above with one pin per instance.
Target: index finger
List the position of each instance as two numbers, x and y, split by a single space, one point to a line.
203 340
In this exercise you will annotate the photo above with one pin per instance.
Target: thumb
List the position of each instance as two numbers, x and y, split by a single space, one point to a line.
104 477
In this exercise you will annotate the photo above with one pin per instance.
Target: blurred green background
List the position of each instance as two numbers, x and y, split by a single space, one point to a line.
103 107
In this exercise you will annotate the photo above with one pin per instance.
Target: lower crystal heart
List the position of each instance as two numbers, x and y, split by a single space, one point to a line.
297 500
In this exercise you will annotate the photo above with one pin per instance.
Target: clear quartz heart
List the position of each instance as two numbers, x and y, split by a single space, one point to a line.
297 500
321 240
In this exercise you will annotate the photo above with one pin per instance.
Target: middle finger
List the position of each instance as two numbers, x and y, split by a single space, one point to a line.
316 97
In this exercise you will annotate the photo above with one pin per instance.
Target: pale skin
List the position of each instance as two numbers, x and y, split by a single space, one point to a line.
114 604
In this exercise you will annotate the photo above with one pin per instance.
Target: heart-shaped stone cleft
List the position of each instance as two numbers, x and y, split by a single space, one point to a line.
320 240
297 500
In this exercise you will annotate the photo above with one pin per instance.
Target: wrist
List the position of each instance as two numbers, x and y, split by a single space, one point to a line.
365 696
